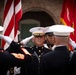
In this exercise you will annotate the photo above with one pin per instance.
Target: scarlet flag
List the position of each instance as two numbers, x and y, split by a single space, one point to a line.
68 16
12 16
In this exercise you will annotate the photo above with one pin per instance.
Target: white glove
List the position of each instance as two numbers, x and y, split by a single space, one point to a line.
45 45
6 39
26 40
17 70
72 43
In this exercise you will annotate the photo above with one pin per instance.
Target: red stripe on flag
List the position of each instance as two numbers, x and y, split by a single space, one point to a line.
10 26
16 2
6 8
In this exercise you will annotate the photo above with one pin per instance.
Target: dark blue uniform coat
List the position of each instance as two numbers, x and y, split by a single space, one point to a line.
55 62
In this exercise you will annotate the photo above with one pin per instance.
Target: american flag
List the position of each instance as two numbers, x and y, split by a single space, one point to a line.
11 18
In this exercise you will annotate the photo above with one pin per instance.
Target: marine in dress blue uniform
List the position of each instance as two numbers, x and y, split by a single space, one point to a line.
56 62
49 38
36 51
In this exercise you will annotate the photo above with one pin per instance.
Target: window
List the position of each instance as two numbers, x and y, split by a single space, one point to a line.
24 27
